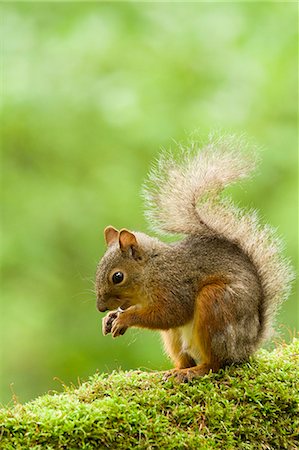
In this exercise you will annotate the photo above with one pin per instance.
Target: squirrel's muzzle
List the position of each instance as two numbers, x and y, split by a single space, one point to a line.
101 303
108 302
102 308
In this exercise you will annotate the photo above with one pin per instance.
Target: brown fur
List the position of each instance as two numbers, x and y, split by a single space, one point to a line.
205 323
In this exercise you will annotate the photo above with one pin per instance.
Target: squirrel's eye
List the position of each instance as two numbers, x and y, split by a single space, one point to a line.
117 277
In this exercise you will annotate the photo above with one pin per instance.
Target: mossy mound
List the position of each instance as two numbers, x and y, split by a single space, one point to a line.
253 406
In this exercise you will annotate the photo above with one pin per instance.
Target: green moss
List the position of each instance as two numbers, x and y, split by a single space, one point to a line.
253 406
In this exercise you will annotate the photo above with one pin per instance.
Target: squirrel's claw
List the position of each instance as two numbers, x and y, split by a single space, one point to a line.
112 323
175 375
107 322
186 375
118 328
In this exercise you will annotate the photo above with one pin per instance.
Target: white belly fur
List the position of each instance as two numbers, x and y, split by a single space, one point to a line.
188 342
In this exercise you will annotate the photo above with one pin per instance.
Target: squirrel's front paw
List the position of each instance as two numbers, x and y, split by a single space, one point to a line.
107 322
118 327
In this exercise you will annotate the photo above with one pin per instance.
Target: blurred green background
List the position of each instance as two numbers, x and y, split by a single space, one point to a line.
91 92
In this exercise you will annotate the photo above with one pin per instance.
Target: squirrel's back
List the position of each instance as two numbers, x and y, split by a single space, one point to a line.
183 196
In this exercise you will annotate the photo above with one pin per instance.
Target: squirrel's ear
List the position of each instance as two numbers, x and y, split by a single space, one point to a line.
111 235
128 242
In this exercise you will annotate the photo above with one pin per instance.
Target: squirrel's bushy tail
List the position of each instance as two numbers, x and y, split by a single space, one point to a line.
183 196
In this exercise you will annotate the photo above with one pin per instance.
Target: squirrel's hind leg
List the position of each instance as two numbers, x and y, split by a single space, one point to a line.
185 375
210 315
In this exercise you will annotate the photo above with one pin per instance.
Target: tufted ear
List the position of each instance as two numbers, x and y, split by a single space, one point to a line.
111 235
128 243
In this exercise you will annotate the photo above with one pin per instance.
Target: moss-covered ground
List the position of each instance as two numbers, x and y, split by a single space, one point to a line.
251 406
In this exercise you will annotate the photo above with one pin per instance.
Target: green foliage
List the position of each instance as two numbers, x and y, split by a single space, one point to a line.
91 92
253 406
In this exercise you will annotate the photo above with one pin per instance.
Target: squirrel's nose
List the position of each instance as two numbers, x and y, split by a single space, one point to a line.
102 308
101 303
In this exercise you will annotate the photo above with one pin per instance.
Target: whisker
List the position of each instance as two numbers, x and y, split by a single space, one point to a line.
87 300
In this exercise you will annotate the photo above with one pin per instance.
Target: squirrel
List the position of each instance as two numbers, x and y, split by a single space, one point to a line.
214 293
